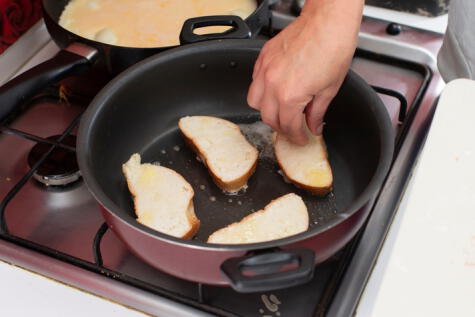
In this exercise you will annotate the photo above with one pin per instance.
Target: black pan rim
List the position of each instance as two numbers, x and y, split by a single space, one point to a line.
88 119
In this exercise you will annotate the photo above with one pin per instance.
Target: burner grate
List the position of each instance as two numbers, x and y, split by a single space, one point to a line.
54 144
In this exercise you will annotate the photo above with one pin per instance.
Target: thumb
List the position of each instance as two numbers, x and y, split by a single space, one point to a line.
315 112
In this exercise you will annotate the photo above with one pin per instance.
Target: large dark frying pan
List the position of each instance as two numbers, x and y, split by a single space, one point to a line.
79 54
138 112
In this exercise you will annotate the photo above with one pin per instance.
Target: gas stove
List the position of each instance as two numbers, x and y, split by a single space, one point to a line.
50 223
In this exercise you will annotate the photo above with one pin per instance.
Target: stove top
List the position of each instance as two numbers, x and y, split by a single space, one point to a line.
58 231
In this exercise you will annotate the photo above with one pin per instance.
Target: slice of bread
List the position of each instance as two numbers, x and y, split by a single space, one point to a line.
306 166
224 150
282 217
162 198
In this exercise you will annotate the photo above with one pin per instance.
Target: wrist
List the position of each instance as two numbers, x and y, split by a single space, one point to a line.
333 21
343 13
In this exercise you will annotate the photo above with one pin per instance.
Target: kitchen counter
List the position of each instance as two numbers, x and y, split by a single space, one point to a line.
427 264
24 293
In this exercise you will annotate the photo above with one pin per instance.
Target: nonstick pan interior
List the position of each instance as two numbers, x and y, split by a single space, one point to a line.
139 111
217 209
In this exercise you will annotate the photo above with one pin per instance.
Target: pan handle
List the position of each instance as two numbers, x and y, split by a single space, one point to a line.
262 271
240 30
74 59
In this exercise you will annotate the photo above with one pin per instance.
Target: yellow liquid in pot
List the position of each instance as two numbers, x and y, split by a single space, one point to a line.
145 23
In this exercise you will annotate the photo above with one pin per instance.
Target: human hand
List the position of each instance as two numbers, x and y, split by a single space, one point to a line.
300 70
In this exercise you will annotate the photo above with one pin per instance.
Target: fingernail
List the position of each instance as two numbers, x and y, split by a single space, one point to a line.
319 129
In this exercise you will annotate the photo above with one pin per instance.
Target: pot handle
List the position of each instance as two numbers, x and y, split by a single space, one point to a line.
260 272
240 30
74 59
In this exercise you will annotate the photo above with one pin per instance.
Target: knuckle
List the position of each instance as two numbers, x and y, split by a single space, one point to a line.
267 117
265 48
251 98
330 92
286 96
271 77
250 101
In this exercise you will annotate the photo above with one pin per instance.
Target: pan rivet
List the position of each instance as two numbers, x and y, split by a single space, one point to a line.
203 66
232 64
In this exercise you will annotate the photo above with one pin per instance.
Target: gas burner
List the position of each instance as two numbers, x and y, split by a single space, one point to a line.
60 168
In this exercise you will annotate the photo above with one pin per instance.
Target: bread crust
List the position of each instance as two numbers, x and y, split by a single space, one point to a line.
318 191
250 216
193 220
231 186
190 213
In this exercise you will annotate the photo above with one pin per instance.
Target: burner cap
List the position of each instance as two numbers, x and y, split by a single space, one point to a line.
60 168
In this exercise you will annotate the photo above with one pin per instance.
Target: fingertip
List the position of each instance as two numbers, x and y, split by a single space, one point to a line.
253 95
309 120
297 131
316 128
257 67
250 98
298 140
312 125
316 112
319 129
270 115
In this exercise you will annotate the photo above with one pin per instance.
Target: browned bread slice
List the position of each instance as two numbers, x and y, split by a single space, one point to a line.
306 166
229 157
282 217
163 198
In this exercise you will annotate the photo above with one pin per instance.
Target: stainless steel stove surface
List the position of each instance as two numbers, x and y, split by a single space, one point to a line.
58 231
